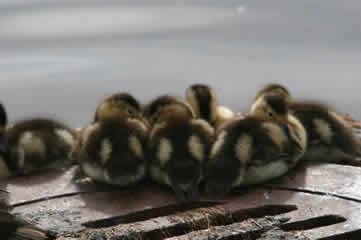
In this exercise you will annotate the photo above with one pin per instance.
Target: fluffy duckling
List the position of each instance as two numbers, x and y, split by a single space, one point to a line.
253 149
202 98
178 146
112 147
329 137
33 145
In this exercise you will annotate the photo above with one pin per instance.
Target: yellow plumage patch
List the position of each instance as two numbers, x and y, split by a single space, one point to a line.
243 148
165 150
218 143
196 147
136 146
323 129
105 150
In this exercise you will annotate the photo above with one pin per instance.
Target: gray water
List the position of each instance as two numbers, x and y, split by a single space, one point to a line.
59 58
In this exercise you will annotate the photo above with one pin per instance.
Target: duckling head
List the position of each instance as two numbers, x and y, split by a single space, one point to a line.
273 89
118 105
202 98
167 108
274 108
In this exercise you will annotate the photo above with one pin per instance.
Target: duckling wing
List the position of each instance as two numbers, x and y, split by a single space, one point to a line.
265 155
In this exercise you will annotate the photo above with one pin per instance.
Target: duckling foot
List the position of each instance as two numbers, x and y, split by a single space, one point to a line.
180 195
186 193
216 191
79 177
315 142
193 192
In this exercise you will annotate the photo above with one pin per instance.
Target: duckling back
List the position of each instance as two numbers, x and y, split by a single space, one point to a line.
330 138
178 149
248 151
39 144
113 151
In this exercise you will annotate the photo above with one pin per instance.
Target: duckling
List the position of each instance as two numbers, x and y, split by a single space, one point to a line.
329 137
202 98
13 227
32 145
178 146
256 148
112 148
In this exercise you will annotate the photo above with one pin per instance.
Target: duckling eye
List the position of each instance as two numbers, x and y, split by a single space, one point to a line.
130 111
270 114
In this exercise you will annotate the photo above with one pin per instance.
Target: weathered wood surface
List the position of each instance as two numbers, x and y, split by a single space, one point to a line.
316 190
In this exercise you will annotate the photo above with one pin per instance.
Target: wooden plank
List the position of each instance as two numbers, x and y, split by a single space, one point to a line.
75 210
41 185
333 179
316 190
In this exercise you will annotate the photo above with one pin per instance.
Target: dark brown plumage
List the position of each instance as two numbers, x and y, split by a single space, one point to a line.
329 137
113 151
272 88
256 148
153 110
121 105
225 168
38 144
178 146
183 167
202 99
327 133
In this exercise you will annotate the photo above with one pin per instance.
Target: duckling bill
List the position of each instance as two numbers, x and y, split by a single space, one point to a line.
34 145
178 146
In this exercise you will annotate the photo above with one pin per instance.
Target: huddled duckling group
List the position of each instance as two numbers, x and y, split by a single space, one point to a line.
183 143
